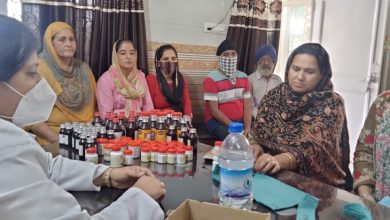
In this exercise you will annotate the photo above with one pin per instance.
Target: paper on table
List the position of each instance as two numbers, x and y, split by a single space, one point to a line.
385 201
277 195
357 211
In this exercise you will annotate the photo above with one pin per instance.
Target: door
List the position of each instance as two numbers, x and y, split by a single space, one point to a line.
352 31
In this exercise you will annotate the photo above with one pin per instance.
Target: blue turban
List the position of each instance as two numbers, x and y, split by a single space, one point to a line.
266 50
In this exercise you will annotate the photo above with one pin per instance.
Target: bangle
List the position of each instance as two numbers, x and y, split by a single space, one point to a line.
365 195
290 158
107 177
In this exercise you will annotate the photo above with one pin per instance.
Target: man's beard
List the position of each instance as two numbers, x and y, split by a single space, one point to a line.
265 71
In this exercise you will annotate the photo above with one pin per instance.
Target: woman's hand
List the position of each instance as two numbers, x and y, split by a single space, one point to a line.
126 177
266 163
152 186
247 131
257 150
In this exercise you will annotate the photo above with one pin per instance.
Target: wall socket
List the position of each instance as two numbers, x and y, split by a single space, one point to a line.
212 28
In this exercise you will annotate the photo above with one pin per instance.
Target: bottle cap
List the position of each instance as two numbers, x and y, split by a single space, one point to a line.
102 140
91 150
116 148
181 151
145 149
128 152
236 127
109 146
217 143
172 150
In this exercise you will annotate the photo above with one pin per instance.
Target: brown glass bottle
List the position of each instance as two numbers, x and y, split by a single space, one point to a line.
80 147
110 123
161 132
171 135
117 128
153 127
122 123
110 134
183 136
144 130
96 119
62 140
102 133
69 132
193 140
168 120
106 119
131 127
90 143
76 138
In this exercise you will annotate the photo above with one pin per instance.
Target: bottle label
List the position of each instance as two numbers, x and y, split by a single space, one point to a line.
236 183
118 134
180 140
61 138
144 135
160 135
80 148
65 139
153 134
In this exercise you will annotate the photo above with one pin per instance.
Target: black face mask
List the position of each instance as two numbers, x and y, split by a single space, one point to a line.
168 67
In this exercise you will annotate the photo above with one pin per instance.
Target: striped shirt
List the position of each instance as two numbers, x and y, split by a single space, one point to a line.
230 98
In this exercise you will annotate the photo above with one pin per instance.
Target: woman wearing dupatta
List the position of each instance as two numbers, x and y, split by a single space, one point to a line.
301 124
372 154
123 88
71 79
169 88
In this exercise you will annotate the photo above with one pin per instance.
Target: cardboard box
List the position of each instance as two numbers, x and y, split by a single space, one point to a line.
195 210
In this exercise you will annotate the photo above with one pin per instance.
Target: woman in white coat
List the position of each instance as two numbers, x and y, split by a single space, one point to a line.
33 184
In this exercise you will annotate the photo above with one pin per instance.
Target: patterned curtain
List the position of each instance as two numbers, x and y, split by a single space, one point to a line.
252 24
97 24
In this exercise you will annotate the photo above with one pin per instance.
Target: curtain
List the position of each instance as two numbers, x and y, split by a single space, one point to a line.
253 23
97 24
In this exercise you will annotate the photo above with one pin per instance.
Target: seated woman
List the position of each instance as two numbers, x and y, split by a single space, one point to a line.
169 88
32 179
372 161
123 87
301 124
70 78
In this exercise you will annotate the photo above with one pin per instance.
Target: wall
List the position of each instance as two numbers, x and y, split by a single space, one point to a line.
182 21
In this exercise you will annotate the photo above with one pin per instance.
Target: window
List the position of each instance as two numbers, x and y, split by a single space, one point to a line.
296 29
14 9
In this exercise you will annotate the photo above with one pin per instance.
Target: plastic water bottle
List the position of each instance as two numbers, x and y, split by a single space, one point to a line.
236 163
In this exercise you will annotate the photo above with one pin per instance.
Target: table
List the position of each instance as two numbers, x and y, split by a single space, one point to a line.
193 181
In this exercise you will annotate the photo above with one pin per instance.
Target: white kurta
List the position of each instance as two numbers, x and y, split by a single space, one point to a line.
260 86
33 184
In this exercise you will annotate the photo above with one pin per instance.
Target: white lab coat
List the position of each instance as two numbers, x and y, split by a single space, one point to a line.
33 184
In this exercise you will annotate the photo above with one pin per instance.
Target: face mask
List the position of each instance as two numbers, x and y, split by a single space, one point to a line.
35 106
229 66
168 67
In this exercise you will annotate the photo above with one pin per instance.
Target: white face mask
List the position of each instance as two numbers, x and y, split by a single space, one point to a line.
35 106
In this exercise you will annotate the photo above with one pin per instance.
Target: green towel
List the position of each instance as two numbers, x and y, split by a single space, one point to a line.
357 212
277 195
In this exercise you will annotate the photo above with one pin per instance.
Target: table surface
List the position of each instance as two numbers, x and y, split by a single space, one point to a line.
193 181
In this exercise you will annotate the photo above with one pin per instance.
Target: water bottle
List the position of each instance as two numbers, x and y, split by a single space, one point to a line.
236 163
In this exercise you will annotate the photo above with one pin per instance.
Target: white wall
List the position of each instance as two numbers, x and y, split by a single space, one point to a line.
182 21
